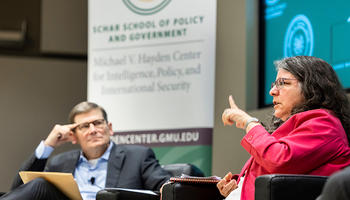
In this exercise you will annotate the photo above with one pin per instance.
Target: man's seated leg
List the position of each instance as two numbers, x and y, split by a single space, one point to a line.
337 186
37 189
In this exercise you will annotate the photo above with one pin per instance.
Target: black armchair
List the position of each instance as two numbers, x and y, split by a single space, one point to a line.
126 194
191 191
288 187
267 187
123 194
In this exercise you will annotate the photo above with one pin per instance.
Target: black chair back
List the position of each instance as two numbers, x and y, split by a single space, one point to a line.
288 187
183 168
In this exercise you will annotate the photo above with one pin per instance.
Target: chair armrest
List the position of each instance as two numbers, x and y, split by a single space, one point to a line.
288 187
190 191
126 194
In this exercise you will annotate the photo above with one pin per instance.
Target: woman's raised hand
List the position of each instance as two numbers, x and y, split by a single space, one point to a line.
234 115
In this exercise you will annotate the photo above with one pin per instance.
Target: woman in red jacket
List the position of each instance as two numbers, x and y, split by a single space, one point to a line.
309 132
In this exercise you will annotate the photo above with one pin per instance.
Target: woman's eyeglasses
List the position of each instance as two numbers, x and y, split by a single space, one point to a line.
281 82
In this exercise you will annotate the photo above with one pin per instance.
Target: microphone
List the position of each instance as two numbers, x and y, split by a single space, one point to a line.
92 180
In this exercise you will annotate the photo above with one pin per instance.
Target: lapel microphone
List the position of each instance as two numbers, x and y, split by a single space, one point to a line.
92 180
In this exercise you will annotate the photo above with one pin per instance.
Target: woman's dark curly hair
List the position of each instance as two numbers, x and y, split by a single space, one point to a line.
319 85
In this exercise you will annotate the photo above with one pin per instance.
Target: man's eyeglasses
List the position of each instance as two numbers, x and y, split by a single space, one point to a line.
281 82
99 123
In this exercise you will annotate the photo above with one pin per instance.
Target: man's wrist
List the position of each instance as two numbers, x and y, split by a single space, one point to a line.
43 151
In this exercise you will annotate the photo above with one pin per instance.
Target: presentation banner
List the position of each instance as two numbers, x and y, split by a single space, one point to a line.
151 65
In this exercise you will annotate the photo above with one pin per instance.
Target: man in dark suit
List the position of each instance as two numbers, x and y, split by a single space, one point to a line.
100 163
337 186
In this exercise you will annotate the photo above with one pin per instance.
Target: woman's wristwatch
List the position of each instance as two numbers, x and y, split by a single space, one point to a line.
252 119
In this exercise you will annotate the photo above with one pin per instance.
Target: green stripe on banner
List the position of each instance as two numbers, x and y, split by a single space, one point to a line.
198 155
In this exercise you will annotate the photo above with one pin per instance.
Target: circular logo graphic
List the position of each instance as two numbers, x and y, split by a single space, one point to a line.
299 38
146 7
271 2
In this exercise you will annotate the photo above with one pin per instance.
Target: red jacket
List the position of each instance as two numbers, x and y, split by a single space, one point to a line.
312 142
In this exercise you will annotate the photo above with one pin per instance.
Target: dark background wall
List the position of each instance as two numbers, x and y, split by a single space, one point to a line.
41 77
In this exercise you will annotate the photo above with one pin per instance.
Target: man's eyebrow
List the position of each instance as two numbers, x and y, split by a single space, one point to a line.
89 121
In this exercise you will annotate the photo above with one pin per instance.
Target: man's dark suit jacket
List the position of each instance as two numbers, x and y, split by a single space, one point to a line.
129 166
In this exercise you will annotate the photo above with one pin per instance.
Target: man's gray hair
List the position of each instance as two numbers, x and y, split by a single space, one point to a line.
85 107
